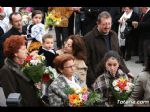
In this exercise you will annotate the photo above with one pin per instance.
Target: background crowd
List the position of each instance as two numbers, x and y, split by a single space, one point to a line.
91 46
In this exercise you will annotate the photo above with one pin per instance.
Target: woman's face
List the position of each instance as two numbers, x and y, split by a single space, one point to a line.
112 65
22 53
127 10
69 68
68 46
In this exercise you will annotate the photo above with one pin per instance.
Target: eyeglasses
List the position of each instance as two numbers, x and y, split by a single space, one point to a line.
72 66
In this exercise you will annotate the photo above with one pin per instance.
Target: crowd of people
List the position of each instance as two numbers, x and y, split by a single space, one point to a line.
91 46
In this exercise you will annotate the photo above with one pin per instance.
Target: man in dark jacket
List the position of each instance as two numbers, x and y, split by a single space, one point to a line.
17 29
98 41
143 29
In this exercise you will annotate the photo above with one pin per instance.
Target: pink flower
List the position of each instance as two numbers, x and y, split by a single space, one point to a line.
85 97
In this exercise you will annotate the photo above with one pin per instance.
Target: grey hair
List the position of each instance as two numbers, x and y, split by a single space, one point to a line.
103 14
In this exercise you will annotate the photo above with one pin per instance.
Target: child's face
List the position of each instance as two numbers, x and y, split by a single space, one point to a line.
112 65
48 44
37 19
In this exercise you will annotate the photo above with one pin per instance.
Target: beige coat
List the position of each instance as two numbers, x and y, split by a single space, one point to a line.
141 91
81 70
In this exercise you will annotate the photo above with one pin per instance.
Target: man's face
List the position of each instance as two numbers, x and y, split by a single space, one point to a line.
143 9
17 21
105 25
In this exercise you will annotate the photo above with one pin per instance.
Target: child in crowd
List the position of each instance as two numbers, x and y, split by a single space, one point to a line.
47 49
36 30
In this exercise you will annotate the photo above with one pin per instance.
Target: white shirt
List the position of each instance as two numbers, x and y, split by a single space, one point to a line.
72 83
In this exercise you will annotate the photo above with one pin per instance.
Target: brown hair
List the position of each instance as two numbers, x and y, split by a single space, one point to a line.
12 44
60 60
103 14
14 13
35 12
46 36
78 47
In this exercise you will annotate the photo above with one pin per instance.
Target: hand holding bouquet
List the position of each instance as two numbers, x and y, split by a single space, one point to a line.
52 19
122 88
81 97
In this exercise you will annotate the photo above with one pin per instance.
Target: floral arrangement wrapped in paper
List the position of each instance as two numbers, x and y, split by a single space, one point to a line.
35 69
52 19
122 88
81 97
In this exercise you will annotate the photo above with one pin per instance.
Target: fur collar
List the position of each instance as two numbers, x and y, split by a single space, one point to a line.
16 68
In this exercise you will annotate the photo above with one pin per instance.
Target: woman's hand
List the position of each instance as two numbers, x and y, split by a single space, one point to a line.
38 85
131 77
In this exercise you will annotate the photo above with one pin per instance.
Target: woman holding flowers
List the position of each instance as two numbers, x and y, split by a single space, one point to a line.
11 78
65 65
112 82
75 45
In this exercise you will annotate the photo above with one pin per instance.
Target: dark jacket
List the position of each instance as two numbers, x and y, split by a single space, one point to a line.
96 49
144 26
13 81
48 55
12 31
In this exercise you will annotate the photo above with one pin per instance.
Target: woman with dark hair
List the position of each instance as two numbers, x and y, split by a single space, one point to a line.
12 79
109 69
64 65
75 45
141 91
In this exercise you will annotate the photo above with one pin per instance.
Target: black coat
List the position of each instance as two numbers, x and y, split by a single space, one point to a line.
96 49
13 81
48 55
144 26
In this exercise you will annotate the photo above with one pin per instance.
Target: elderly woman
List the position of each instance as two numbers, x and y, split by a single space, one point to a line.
65 65
75 45
11 78
108 70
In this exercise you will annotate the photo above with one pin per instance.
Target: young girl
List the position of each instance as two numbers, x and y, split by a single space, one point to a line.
47 49
108 70
35 31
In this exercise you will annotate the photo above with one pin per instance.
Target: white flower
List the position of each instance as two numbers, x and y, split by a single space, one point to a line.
35 62
53 71
46 71
128 89
78 90
117 88
57 22
114 83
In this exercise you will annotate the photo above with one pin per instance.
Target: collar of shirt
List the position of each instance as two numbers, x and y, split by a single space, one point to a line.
50 50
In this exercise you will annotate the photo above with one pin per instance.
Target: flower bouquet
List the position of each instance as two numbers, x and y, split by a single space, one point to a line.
52 19
81 97
122 88
48 76
34 67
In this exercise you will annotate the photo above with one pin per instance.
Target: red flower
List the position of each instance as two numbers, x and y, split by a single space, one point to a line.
122 85
1 9
46 78
28 58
